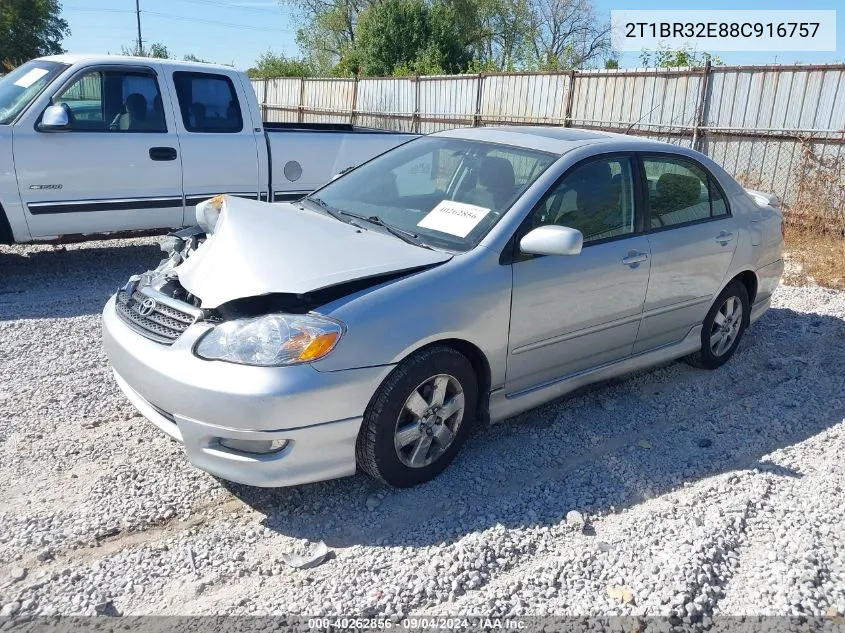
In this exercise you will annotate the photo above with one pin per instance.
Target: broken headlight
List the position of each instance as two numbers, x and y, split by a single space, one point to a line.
271 340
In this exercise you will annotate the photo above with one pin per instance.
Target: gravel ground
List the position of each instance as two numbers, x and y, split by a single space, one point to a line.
675 491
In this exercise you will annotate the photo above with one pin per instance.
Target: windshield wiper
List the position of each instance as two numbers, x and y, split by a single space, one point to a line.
408 236
325 206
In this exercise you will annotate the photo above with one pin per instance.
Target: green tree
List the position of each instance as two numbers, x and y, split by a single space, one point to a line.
28 29
677 58
156 50
190 57
410 37
271 65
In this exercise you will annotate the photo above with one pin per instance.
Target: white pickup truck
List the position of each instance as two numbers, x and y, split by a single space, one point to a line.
97 144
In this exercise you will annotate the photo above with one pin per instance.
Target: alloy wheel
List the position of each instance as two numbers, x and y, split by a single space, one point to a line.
726 326
429 420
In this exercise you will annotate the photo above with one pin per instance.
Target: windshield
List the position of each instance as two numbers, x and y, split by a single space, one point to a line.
23 84
446 192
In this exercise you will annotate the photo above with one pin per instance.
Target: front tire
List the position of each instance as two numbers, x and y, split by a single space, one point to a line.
419 418
723 327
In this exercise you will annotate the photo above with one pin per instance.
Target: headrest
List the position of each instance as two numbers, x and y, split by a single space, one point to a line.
496 173
594 177
681 191
136 104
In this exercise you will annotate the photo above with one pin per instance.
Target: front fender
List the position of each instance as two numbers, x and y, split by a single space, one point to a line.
467 298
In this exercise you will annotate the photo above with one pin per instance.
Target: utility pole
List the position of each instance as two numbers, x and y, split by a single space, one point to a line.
139 49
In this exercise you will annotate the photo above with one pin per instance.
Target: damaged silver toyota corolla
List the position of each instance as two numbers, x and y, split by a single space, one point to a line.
467 275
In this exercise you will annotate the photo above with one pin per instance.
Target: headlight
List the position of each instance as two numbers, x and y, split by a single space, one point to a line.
271 340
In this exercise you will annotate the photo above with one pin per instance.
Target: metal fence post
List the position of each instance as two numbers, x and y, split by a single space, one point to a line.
264 100
570 90
301 116
476 119
354 101
703 108
415 118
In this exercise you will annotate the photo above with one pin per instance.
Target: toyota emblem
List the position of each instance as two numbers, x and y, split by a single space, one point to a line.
147 307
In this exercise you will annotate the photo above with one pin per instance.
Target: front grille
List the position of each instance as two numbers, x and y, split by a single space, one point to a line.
164 324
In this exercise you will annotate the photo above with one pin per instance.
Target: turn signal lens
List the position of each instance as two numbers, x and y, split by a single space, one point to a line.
320 346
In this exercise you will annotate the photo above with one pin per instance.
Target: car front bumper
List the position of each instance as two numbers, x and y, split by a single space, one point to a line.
199 402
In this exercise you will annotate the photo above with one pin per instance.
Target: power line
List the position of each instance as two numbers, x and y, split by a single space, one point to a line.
214 22
224 5
97 9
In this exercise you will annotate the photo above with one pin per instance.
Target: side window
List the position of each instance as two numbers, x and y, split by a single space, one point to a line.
597 198
679 192
208 102
114 101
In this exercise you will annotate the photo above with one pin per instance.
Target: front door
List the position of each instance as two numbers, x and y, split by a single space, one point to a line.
116 168
571 313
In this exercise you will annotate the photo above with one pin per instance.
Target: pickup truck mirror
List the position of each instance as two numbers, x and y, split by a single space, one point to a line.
552 240
54 119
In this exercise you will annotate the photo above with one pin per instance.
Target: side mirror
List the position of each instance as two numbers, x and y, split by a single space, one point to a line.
54 119
552 240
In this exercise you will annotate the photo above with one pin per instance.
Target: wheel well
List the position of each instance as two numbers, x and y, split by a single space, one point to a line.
749 280
479 364
6 236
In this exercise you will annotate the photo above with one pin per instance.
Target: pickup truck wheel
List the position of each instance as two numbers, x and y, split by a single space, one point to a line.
419 418
723 327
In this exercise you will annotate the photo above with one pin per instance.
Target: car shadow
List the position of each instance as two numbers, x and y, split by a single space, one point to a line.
609 447
67 281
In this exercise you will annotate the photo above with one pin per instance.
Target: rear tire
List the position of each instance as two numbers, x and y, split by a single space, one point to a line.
723 327
403 441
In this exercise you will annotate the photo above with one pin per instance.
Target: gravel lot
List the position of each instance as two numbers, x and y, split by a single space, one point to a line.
695 493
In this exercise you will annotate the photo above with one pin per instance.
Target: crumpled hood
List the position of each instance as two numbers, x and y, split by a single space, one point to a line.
259 248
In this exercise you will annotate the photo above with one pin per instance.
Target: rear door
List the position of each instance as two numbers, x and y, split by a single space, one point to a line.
692 236
217 137
116 168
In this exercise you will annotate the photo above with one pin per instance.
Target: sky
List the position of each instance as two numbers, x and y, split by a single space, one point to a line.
238 31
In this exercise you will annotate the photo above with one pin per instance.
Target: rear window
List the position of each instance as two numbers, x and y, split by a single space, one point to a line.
208 102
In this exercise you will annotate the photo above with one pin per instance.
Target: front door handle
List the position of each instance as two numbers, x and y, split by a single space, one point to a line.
724 237
163 153
634 258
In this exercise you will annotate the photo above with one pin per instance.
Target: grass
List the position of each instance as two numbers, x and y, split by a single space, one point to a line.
812 256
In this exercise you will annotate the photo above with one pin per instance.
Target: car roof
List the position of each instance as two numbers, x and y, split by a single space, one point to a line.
557 140
74 58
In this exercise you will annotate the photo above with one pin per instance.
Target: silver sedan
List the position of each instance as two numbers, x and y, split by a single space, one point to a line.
465 276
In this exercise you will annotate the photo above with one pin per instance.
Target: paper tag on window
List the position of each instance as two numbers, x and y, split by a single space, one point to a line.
31 77
454 218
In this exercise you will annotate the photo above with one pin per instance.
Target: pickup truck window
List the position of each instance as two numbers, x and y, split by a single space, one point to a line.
208 102
20 87
114 101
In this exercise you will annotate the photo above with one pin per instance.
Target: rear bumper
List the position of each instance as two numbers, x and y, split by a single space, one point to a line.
768 278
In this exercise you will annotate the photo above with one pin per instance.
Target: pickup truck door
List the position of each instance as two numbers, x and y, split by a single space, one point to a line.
116 168
221 152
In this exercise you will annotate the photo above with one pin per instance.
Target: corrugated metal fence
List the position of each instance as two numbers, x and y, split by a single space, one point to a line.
778 128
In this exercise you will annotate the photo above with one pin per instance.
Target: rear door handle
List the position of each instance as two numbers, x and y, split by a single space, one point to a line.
724 237
634 258
163 153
